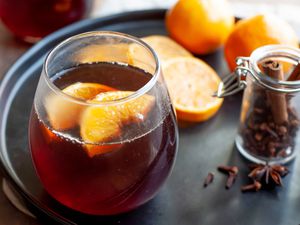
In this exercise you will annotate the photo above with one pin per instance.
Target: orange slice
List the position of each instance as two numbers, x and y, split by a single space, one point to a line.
64 114
132 111
191 83
86 91
164 47
100 124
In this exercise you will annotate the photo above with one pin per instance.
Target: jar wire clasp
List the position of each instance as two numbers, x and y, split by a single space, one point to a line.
236 81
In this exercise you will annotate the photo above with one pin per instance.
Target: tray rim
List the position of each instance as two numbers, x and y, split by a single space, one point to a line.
22 62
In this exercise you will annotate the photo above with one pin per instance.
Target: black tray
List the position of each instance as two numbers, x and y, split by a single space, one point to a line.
182 200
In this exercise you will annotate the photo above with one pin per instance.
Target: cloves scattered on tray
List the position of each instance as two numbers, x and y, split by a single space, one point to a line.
232 172
263 176
256 186
228 169
209 179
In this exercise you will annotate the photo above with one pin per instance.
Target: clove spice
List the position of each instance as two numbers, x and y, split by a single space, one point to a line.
232 172
228 169
230 180
256 186
209 179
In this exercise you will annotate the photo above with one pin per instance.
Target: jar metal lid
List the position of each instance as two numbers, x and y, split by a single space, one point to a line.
249 65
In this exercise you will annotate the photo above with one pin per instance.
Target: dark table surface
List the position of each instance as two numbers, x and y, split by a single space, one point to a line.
10 51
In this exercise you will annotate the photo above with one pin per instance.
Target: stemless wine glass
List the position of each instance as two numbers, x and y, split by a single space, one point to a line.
103 133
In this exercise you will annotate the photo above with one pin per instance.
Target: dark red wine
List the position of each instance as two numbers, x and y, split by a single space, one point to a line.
118 180
37 18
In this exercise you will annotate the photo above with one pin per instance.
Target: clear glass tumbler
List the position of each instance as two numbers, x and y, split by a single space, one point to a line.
103 133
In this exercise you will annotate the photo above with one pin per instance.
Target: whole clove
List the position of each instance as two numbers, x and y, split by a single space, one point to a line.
228 169
232 172
256 186
209 179
263 176
230 180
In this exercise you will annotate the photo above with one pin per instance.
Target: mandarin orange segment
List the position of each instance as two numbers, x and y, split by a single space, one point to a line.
64 114
104 123
191 83
132 110
254 32
86 91
100 124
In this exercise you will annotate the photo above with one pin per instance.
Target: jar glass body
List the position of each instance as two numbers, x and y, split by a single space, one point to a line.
269 120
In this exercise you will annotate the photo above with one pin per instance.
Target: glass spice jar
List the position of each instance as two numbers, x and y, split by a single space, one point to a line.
269 119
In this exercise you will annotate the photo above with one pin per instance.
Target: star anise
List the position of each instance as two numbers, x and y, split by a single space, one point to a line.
268 174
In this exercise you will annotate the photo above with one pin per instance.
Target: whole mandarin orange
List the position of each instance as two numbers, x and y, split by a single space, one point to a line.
201 26
254 32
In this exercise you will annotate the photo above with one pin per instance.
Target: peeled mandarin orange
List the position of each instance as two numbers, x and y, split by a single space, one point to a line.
64 114
191 83
201 26
104 123
255 32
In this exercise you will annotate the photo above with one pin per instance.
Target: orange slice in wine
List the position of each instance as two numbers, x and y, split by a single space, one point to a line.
102 124
86 91
64 114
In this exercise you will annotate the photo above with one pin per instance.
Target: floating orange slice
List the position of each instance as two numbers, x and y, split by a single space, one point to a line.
100 124
86 91
191 83
131 111
64 114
